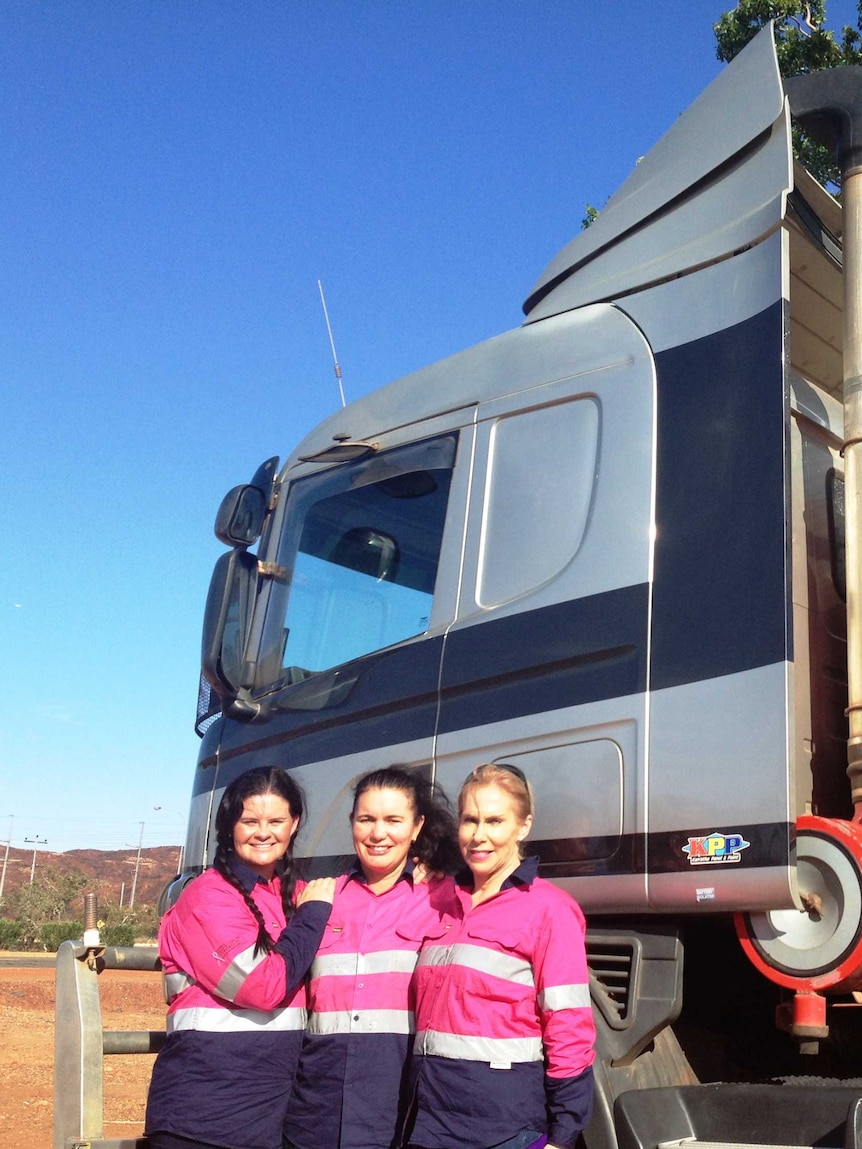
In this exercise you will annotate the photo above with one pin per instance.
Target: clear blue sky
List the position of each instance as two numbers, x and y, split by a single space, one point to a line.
174 179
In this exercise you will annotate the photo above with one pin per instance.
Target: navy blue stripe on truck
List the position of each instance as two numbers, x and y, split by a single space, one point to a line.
563 655
664 852
659 853
384 699
721 596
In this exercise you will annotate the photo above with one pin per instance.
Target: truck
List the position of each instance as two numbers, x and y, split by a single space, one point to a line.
617 547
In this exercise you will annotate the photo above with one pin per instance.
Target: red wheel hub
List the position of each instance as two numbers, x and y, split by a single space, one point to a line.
818 947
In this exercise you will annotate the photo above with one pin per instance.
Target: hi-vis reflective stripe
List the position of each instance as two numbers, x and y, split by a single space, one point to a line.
175 983
242 965
565 997
236 1020
497 1051
508 966
361 1021
384 961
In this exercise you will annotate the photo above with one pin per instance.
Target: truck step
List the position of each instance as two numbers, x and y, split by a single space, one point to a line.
693 1143
741 1116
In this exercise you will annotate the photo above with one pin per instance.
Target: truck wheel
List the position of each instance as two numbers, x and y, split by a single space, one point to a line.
818 947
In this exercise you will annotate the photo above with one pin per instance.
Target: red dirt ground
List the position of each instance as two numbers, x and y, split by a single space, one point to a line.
130 1000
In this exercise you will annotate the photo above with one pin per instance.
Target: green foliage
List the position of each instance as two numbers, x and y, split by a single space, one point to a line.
19 935
803 44
51 935
123 934
41 915
11 935
49 899
590 216
141 920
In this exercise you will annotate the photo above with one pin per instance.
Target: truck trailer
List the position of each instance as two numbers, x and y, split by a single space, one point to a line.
618 548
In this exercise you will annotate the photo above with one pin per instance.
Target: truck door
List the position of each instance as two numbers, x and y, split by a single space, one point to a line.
361 578
545 665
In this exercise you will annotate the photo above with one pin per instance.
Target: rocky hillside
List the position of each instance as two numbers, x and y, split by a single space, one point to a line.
112 871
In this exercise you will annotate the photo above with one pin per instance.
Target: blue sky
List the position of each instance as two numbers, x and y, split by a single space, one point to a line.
174 179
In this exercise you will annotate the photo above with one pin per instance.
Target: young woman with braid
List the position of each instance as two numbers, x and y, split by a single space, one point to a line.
235 950
348 1091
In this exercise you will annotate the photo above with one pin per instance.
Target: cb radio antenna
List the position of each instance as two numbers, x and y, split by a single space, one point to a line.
331 343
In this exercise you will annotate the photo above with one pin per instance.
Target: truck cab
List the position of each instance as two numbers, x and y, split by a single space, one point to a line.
608 547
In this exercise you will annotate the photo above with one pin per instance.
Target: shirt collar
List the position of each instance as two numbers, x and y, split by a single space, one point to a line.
247 876
356 873
527 870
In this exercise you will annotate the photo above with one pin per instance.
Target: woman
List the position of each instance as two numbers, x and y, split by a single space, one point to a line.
235 950
347 1089
504 1029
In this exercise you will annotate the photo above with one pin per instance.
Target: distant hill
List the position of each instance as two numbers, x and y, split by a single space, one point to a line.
112 871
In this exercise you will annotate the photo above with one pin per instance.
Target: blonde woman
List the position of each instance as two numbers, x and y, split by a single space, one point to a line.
504 1028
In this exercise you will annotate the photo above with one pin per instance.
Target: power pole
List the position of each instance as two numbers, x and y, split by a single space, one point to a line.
35 842
137 867
6 856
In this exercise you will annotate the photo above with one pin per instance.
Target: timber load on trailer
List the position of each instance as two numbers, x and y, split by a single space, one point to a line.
618 547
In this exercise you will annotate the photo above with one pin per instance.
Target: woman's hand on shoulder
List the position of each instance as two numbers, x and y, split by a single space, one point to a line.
317 890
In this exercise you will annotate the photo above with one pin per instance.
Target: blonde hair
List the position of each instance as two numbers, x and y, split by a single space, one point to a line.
509 778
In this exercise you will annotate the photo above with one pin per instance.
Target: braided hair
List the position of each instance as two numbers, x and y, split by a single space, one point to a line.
253 784
436 843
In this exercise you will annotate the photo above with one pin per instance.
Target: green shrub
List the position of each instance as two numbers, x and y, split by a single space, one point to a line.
11 934
53 934
121 934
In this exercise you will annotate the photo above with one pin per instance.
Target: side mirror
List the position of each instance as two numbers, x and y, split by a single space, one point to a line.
243 510
240 517
227 621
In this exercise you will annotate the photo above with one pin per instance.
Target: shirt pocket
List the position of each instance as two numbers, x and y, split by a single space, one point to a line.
333 936
502 952
420 932
513 939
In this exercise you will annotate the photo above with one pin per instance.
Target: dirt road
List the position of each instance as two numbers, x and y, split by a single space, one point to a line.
130 1000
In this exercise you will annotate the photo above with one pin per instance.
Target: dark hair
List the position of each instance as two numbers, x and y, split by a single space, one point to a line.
509 778
253 784
436 843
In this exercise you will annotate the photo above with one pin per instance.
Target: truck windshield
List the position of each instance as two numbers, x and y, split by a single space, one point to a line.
357 560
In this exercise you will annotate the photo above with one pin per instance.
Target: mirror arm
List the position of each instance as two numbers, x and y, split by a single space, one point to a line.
243 708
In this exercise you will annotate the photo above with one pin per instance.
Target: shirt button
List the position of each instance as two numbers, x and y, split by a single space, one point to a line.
356 1017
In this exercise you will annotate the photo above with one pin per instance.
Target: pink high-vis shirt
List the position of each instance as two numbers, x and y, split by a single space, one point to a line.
235 1017
504 1026
348 1088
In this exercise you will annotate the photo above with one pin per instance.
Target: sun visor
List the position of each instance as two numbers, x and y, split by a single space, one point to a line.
714 183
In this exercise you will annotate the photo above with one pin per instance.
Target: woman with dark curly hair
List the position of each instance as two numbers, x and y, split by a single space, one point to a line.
235 950
348 1086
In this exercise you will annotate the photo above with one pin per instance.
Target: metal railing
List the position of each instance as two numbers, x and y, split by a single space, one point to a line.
80 1042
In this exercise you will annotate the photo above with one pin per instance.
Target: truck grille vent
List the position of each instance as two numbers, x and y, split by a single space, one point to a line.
611 975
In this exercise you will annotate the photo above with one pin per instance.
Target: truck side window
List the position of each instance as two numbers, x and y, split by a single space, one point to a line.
539 490
360 544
